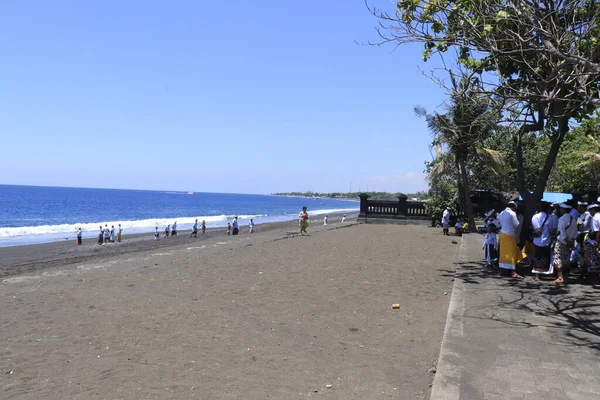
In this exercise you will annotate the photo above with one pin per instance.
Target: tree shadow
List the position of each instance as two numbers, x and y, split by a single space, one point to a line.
569 314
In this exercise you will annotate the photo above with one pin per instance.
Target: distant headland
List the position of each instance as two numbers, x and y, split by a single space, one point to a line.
354 195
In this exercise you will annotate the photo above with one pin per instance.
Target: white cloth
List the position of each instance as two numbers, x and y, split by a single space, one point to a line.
586 221
595 223
520 218
553 221
491 239
567 228
509 221
79 233
574 213
446 217
234 224
536 222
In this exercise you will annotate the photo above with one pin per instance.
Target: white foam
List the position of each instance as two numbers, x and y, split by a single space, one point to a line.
19 279
128 226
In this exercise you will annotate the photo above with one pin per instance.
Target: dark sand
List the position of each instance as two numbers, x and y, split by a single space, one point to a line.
19 260
234 318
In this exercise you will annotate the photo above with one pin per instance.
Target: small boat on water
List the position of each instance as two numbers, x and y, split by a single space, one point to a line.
190 192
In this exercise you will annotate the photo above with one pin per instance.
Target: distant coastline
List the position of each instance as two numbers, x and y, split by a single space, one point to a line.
353 196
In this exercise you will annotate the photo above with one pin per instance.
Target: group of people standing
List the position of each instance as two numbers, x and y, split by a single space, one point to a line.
561 235
105 235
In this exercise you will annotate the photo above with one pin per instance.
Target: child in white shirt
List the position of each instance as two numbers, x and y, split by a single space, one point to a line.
490 245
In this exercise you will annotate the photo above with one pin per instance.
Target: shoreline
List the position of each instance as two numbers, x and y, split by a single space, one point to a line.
28 258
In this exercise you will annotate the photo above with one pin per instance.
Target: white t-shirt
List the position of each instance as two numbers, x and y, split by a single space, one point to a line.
446 217
536 222
586 221
79 233
509 222
595 223
567 228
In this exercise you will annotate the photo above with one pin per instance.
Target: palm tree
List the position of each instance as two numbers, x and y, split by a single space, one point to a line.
459 133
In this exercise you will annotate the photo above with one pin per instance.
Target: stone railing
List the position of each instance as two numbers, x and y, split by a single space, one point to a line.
400 210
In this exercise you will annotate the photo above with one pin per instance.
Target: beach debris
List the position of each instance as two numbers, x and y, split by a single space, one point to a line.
445 293
41 340
9 372
395 306
454 242
329 386
316 391
432 370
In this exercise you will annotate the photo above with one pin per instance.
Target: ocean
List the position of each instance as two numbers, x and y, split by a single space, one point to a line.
35 214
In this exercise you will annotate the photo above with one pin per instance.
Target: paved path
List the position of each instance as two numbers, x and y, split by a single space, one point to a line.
507 339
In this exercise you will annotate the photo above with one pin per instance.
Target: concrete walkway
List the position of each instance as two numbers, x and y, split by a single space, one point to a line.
507 339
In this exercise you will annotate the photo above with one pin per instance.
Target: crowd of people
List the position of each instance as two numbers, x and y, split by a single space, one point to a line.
110 235
561 236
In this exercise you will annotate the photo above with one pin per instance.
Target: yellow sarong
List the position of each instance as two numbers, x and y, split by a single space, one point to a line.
510 254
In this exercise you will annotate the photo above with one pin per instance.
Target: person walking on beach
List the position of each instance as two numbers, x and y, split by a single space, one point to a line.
112 234
101 236
79 240
251 226
119 234
344 218
174 229
446 221
195 229
228 229
203 227
303 221
325 220
156 234
235 227
106 234
510 254
167 230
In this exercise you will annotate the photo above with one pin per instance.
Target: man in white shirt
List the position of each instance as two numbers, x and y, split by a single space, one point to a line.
567 232
542 239
446 221
591 244
510 254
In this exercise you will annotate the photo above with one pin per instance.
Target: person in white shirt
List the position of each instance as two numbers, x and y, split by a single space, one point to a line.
112 234
174 229
195 229
101 236
119 234
156 234
593 238
106 234
446 221
344 218
79 235
325 220
251 226
542 239
235 227
510 254
567 232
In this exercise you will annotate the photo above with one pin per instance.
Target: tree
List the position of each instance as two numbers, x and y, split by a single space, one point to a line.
470 118
540 58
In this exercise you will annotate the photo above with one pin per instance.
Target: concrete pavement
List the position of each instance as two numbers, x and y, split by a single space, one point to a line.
506 339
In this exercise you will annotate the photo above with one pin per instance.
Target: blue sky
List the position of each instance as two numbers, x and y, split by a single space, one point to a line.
219 96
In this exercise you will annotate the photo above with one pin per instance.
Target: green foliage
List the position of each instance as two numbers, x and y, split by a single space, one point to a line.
444 193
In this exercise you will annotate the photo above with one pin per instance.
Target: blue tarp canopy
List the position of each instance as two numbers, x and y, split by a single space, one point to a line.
554 197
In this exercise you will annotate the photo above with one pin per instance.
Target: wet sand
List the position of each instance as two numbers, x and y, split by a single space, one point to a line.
270 315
